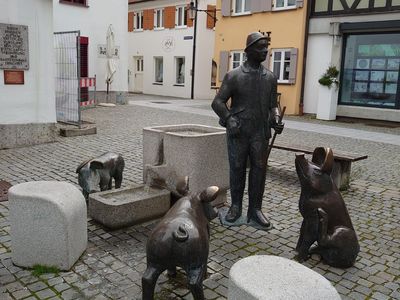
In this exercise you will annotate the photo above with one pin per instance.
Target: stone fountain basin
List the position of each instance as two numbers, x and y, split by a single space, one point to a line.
128 206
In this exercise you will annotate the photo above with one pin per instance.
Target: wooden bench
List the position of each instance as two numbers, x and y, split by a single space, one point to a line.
342 164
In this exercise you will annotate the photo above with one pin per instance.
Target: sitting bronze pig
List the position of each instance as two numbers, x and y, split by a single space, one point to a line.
99 172
326 219
181 239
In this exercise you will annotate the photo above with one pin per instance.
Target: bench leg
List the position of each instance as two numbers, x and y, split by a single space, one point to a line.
341 174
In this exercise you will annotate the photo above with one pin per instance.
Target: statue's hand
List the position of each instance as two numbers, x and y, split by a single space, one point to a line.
233 126
278 127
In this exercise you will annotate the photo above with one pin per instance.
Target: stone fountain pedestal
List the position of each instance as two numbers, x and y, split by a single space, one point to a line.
192 150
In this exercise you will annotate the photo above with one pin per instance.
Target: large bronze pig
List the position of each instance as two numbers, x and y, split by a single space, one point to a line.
326 219
181 239
99 172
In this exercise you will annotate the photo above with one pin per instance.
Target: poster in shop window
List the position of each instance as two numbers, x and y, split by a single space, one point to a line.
14 49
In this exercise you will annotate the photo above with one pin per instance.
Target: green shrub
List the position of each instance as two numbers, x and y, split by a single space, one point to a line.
330 77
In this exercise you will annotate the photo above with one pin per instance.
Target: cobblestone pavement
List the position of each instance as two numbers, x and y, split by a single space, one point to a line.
112 266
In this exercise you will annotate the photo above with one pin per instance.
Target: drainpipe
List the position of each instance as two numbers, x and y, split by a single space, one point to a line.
303 73
194 52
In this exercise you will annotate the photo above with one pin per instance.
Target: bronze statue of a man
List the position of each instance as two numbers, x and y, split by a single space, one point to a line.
253 111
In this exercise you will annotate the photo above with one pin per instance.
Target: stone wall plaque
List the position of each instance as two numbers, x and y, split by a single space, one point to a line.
14 77
14 47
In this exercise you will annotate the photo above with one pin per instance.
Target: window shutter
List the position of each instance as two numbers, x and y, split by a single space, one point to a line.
188 20
255 6
293 65
210 16
148 19
299 3
130 21
169 17
226 8
266 5
223 64
266 61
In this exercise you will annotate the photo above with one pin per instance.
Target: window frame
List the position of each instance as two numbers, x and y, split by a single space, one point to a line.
242 58
285 6
155 70
72 2
183 16
176 70
242 12
282 63
161 10
138 14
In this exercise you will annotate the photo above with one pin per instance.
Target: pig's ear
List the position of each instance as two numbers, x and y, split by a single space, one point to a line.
182 186
323 158
95 164
209 194
318 156
328 163
82 164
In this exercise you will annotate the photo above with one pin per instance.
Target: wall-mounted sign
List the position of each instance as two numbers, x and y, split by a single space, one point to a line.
188 37
13 77
14 47
102 51
168 44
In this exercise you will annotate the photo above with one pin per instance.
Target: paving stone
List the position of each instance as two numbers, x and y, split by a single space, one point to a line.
45 294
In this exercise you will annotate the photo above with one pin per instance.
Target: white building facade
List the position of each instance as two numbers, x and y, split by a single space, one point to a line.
92 18
361 39
161 37
27 114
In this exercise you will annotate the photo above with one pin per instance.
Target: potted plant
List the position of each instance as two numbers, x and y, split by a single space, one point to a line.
328 94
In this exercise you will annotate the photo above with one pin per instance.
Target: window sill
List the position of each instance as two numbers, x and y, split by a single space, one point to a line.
241 14
74 4
158 28
285 82
179 84
138 30
284 8
157 83
181 27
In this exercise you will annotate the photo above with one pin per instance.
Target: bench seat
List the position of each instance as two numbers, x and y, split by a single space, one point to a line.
342 164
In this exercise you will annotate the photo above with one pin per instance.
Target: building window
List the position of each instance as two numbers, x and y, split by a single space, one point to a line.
241 7
284 4
181 16
139 65
76 2
158 70
237 59
281 64
180 70
139 20
371 68
159 18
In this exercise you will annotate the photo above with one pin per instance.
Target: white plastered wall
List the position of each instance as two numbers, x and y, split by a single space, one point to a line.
93 22
34 101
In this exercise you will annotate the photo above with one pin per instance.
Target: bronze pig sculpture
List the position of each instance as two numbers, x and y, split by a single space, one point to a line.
99 171
181 239
325 216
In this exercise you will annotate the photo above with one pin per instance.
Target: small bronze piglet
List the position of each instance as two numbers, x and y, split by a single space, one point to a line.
326 219
98 173
181 239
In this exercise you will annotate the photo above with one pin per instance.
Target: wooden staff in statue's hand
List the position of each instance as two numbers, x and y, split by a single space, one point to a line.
278 127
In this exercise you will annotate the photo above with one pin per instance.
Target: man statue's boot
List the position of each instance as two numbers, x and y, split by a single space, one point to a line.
235 211
254 213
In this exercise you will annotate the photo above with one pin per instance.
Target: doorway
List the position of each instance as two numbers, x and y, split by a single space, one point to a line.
138 74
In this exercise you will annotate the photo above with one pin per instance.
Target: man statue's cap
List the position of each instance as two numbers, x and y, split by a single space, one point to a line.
253 38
